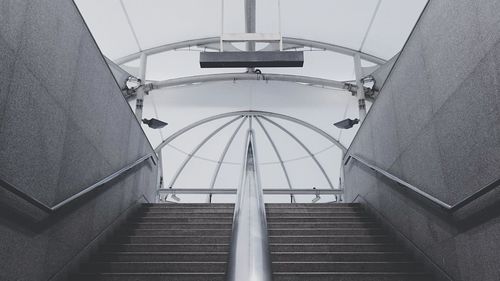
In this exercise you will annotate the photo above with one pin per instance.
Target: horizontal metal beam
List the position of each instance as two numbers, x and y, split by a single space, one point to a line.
251 59
276 191
250 77
286 40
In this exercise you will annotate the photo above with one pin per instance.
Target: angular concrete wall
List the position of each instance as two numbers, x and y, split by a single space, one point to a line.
436 124
64 124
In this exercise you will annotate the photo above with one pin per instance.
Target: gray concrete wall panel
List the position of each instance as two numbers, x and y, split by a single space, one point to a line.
436 125
64 125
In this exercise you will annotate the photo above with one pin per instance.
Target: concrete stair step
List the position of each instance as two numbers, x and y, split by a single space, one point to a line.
184 267
159 211
351 266
168 215
319 214
330 239
333 247
313 209
190 276
348 224
350 276
166 247
173 239
338 256
176 225
186 219
324 231
188 205
301 219
176 232
311 205
163 256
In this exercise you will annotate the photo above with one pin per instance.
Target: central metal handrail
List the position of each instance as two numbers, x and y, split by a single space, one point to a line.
50 209
249 258
443 205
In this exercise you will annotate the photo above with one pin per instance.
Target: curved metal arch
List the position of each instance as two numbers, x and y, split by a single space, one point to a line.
277 155
304 147
251 113
250 77
223 155
286 40
203 142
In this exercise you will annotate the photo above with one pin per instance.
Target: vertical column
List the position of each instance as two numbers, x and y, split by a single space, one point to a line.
139 102
360 91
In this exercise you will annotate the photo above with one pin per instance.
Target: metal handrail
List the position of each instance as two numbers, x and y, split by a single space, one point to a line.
445 206
249 256
50 209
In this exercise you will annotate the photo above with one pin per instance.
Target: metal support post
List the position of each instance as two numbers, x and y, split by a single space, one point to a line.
359 84
139 102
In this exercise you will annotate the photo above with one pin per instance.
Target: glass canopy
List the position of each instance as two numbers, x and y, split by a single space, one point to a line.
172 34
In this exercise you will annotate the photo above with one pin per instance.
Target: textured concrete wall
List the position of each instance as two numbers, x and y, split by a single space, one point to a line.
63 125
436 125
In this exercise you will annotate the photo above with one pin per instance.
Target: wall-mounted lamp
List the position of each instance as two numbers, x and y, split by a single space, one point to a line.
154 123
347 123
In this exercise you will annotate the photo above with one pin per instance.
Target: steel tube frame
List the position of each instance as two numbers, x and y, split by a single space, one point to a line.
139 102
292 197
190 156
222 156
304 147
286 40
251 113
360 89
273 191
175 82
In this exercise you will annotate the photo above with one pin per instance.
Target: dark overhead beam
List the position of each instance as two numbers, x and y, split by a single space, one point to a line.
251 59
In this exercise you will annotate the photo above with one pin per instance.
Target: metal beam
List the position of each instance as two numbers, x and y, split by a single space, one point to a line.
250 22
139 102
223 155
277 155
304 147
250 77
251 113
275 191
286 40
360 89
188 158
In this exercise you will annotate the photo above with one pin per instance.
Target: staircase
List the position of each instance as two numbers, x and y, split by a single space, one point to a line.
175 242
316 242
308 242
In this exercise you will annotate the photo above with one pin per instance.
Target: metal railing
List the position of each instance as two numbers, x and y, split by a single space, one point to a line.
443 205
274 191
249 257
50 209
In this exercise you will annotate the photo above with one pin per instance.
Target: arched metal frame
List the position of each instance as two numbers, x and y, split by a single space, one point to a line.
282 164
304 147
222 156
307 80
202 143
214 42
249 115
